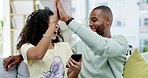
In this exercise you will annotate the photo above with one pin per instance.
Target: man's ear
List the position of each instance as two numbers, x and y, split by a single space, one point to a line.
108 22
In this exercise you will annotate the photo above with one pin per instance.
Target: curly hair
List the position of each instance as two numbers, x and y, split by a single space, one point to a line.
36 26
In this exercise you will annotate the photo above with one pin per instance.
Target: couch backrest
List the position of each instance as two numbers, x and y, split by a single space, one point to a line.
145 55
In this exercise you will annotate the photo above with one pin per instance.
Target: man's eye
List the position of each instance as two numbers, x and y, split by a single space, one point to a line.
94 20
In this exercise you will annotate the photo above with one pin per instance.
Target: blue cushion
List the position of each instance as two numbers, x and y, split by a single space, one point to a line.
23 71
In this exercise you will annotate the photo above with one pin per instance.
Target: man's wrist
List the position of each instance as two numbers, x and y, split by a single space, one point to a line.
69 20
66 18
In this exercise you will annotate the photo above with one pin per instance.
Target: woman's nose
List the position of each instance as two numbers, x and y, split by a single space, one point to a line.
57 27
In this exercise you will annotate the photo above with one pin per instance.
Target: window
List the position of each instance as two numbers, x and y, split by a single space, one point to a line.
146 21
143 1
140 22
119 22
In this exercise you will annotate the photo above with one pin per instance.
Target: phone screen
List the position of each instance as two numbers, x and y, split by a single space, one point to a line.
76 57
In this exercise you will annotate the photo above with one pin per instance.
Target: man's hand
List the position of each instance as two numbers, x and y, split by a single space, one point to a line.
74 68
62 14
11 60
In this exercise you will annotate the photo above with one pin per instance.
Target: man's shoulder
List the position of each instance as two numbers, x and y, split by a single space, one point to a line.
79 42
119 37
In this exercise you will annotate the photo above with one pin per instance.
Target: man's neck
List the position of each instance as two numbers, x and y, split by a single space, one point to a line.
107 35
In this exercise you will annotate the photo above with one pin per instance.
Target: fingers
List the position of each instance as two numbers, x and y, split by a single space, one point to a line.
61 10
59 5
11 61
12 64
55 8
54 18
72 64
7 62
80 60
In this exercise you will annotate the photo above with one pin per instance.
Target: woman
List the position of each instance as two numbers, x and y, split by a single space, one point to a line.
40 46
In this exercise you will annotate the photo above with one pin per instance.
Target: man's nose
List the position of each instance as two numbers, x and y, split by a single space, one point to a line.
90 23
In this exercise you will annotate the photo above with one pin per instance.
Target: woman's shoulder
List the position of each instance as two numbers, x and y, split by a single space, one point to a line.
64 45
27 45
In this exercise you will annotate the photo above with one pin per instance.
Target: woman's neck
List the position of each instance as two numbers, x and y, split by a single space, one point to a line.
51 46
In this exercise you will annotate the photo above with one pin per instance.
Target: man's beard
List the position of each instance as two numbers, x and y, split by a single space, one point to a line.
100 30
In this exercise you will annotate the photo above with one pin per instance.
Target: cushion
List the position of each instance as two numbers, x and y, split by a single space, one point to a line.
23 71
7 74
136 66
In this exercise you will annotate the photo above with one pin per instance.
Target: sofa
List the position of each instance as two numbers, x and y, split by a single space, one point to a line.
17 71
21 70
145 55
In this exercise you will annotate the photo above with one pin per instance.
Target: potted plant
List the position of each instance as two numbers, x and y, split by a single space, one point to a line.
145 49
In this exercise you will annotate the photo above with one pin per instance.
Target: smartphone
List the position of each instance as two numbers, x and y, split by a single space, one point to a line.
75 57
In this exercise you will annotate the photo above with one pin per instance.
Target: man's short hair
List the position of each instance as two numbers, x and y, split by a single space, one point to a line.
105 9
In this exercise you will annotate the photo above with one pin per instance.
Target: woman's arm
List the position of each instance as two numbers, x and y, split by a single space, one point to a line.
39 51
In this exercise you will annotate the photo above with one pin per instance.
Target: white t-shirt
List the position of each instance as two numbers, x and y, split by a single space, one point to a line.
53 65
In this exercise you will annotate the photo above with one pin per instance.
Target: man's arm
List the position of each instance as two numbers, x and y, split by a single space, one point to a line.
98 44
11 61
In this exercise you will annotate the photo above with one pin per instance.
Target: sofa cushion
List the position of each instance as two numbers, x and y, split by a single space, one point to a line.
23 71
12 73
135 66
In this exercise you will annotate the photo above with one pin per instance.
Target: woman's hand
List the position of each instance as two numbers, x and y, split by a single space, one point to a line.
53 23
74 68
54 19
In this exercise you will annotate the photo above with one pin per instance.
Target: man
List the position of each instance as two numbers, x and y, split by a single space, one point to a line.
102 53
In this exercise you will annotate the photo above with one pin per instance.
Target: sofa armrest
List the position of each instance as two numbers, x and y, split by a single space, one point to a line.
23 71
